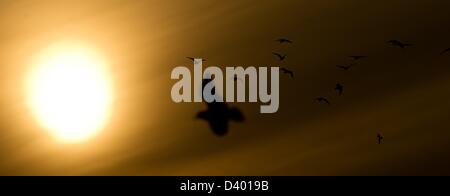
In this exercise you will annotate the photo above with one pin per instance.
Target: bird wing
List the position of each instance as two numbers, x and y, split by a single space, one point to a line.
286 71
236 115
281 40
278 55
202 115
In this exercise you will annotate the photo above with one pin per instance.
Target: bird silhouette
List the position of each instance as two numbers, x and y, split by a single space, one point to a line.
287 71
218 115
281 57
380 138
339 88
192 59
357 57
398 43
445 51
284 40
322 99
344 67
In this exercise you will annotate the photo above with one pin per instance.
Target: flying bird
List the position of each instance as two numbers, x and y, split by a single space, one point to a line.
322 99
281 57
218 115
357 57
445 51
287 71
284 40
344 67
192 59
339 88
380 138
398 43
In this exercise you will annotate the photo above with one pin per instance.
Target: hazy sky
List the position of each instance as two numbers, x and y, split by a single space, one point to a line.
402 93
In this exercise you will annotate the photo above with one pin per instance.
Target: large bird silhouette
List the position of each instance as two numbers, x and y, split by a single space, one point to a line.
398 43
218 115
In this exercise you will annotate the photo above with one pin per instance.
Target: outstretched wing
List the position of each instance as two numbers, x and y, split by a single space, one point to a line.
236 115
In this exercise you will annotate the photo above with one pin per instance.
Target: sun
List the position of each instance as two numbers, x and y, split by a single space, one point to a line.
69 91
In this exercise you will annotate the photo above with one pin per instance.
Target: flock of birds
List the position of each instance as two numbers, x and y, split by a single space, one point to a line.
219 114
339 87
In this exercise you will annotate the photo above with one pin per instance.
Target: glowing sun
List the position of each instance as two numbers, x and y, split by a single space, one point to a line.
70 92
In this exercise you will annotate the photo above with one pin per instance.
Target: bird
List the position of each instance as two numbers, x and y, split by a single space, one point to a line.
339 88
344 67
357 57
380 138
322 99
192 59
281 57
398 43
284 40
218 115
287 71
445 51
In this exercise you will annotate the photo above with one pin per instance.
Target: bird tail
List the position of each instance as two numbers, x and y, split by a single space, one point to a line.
236 115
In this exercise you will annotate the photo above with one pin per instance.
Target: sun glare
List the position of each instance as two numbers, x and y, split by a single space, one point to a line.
70 92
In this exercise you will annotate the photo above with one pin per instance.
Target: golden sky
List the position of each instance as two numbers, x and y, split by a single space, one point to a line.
402 93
